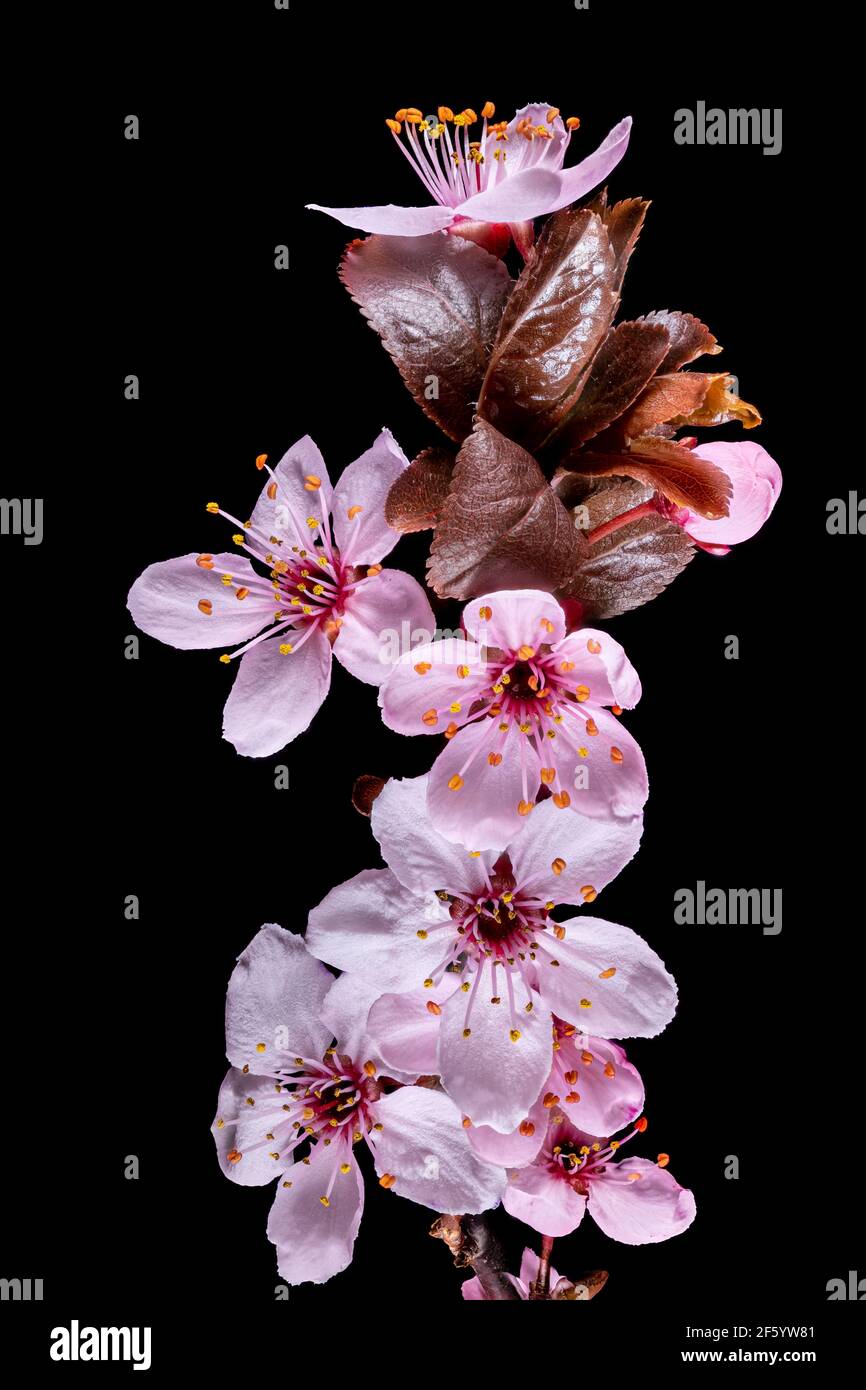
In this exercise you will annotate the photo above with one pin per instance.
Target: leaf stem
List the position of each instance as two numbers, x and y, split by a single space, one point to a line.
607 528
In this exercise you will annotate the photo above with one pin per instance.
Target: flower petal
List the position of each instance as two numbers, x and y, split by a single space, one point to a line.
590 172
275 697
364 537
544 1201
513 1150
421 858
494 1080
345 1011
528 193
529 1269
275 998
391 220
608 1088
164 602
405 1031
756 481
240 1129
384 617
518 617
314 1242
424 1146
369 926
285 514
600 663
588 851
424 682
637 1001
481 810
641 1212
604 771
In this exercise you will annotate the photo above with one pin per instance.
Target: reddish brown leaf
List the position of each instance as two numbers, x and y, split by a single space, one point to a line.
631 565
556 318
675 472
624 222
436 302
501 524
720 405
689 338
622 366
417 497
667 397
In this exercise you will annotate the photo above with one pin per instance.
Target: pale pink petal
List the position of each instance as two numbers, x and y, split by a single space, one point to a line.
601 664
314 1242
523 153
642 1212
382 618
513 1150
425 682
404 1027
369 926
588 852
471 1289
360 529
345 1012
581 178
493 1079
285 515
638 1001
518 618
241 1129
480 810
528 193
756 482
609 1088
274 1002
421 858
424 1146
164 602
603 771
543 1200
391 220
275 697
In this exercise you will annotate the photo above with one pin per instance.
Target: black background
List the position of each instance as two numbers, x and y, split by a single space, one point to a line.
120 782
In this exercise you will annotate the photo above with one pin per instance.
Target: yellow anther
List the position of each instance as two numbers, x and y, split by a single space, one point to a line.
485 613
526 653
615 755
213 507
467 1032
242 592
608 974
524 807
494 759
548 775
421 934
455 783
573 122
455 707
387 1180
588 893
582 693
423 667
393 125
561 799
430 717
225 658
325 1201
586 1004
205 562
261 1047
462 672
373 570
552 114
238 539
557 866
286 649
370 1068
205 606
566 666
514 1035
445 113
451 730
354 511
234 1156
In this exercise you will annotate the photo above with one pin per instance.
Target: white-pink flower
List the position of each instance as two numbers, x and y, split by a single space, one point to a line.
304 1088
523 706
511 174
472 969
633 1200
320 590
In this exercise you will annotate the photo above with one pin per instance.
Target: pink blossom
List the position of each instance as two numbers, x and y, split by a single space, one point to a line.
633 1201
560 1287
756 481
290 1092
523 706
322 591
511 175
473 971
